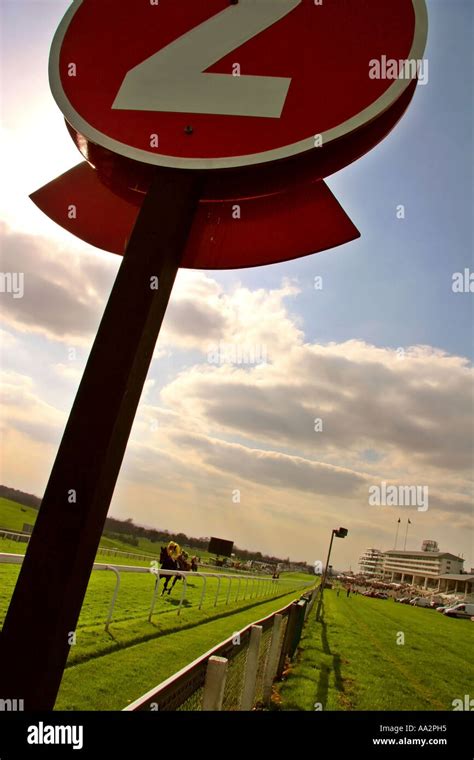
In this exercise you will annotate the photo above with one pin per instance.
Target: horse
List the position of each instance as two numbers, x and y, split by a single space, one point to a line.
168 563
183 563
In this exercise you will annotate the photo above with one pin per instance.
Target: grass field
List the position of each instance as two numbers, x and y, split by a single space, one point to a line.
351 661
135 654
14 515
112 681
133 605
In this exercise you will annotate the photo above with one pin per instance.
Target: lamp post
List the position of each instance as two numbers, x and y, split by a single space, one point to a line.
339 533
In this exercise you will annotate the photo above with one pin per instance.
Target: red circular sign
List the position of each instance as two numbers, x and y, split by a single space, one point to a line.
214 84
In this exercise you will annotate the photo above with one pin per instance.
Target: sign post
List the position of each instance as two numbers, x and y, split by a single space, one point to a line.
53 579
185 116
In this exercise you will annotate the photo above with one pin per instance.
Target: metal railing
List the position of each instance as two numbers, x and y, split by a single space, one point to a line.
109 551
14 535
255 586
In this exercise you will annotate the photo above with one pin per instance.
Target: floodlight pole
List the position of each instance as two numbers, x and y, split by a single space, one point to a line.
43 613
340 533
323 581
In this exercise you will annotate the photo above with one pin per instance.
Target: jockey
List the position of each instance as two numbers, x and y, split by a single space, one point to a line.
174 550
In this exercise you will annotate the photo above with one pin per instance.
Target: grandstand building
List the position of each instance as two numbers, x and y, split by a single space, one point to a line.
371 563
422 568
428 569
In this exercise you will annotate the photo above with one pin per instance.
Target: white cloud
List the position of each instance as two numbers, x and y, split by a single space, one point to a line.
64 292
418 408
212 429
24 411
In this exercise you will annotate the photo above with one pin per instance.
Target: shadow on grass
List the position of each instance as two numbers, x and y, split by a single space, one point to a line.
176 601
335 666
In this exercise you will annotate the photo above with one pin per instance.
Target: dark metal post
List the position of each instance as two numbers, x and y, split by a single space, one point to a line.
288 637
323 581
45 606
301 608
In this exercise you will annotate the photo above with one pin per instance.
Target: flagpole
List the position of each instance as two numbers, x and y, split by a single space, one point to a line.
396 534
406 534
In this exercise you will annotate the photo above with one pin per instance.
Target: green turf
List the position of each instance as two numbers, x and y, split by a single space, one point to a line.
130 626
16 547
136 592
107 669
351 661
112 681
14 515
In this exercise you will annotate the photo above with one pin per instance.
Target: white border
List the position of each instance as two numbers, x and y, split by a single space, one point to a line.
390 96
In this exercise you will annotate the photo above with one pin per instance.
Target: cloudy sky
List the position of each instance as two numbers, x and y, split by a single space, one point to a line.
381 355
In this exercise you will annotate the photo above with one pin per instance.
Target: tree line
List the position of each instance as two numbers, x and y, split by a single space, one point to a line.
129 533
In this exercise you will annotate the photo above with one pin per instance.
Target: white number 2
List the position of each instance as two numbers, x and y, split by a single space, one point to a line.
173 79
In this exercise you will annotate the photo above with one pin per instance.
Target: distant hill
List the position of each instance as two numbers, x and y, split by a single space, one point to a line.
128 532
27 499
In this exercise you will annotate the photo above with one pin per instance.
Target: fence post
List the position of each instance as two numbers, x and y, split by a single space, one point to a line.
251 667
217 590
155 594
183 593
288 638
203 594
272 660
313 598
301 608
228 590
214 685
114 596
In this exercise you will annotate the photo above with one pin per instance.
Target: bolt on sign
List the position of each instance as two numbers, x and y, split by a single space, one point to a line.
206 130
